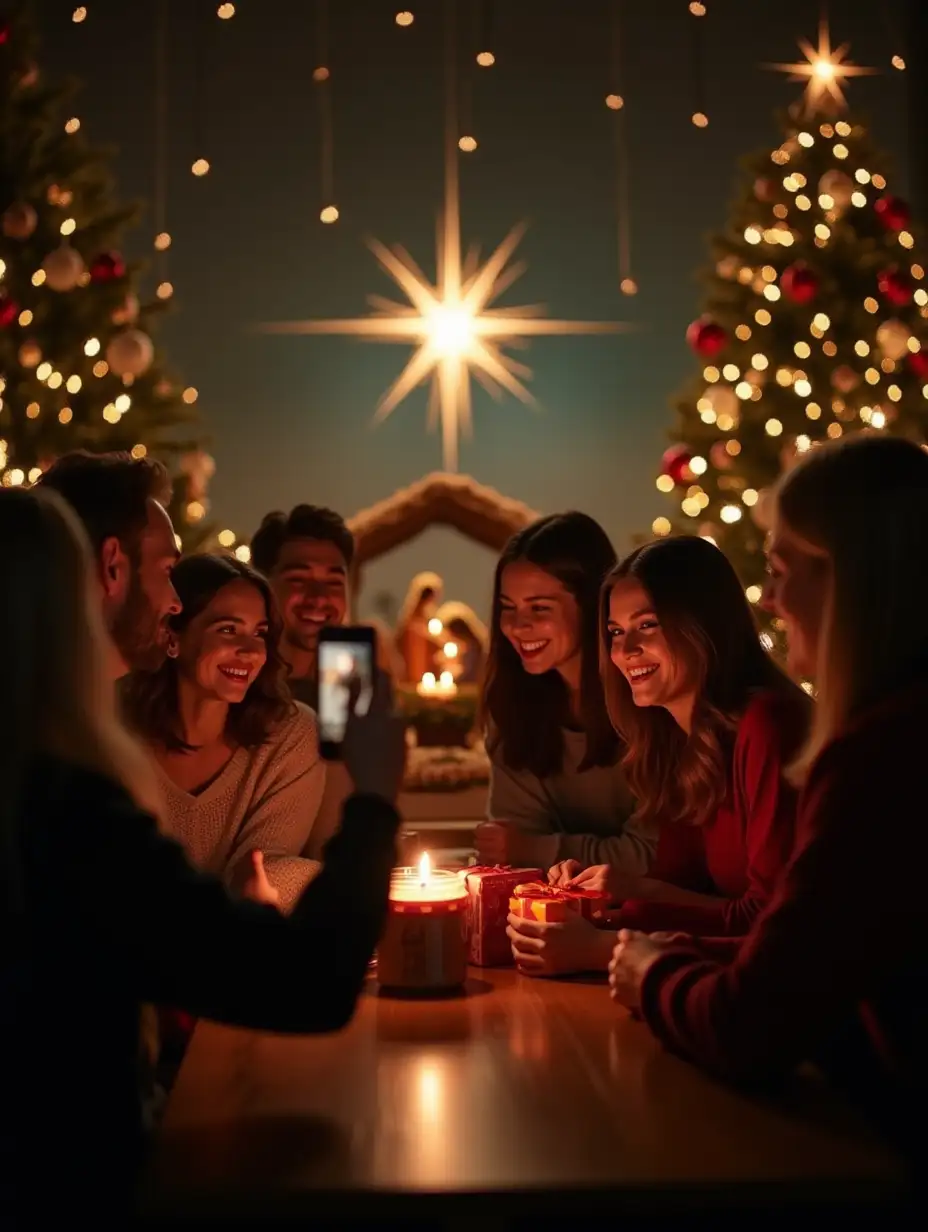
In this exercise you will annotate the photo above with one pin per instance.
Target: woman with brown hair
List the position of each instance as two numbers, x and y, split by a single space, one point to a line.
708 723
99 912
237 759
557 791
835 969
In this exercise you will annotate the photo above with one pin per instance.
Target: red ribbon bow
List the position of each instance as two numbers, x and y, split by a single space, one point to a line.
539 889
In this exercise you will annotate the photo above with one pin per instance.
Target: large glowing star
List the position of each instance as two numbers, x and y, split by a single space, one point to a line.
455 330
825 69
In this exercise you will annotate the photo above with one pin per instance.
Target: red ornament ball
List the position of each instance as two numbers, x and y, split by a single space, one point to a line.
4 33
895 286
919 364
799 283
765 189
706 337
107 267
892 212
9 310
676 464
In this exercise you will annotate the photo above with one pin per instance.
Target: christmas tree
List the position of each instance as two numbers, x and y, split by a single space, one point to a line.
813 326
78 369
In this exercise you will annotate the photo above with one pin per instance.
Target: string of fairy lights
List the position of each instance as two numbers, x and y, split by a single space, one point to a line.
453 336
869 382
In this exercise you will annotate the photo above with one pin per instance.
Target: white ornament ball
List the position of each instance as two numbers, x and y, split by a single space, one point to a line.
130 353
723 400
839 186
893 339
762 510
128 311
19 221
30 354
63 268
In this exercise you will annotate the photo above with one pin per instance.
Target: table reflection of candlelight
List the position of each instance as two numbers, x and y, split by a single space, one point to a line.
423 946
443 686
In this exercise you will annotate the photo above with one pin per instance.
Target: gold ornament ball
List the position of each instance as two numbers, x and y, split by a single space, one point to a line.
893 339
130 353
19 221
839 186
30 354
63 268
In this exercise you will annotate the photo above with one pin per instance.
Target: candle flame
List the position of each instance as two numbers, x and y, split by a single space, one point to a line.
425 868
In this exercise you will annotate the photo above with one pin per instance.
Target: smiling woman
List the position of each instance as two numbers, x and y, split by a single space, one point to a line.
557 791
238 759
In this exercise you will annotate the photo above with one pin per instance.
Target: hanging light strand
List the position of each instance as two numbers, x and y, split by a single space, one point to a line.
203 46
615 101
895 38
322 77
162 236
486 41
464 77
700 116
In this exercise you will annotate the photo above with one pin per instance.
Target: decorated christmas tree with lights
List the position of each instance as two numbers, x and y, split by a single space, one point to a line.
78 368
814 323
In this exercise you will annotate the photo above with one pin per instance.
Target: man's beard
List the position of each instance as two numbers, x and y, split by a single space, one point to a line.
303 640
140 633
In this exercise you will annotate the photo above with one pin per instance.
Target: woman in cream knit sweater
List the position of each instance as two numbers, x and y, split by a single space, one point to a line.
238 759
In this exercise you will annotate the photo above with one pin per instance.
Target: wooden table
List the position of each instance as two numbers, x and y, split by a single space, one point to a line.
540 1094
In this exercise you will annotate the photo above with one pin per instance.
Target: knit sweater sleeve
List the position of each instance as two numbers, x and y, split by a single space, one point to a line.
338 787
632 851
768 736
813 954
279 816
517 796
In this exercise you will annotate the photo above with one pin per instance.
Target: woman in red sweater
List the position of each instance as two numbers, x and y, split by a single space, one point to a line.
709 723
836 969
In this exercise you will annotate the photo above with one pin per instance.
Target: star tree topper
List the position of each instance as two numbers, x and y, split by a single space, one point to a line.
456 332
825 69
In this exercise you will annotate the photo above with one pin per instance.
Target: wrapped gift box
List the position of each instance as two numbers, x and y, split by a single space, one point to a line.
550 904
488 895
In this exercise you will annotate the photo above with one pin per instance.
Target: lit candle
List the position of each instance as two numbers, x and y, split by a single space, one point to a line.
446 685
427 686
423 946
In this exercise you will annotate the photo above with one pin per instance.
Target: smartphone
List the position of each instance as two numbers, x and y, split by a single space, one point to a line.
347 655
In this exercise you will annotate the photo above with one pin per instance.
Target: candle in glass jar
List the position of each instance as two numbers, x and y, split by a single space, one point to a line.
423 946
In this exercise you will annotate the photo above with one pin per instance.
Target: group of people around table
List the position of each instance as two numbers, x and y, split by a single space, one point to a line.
171 838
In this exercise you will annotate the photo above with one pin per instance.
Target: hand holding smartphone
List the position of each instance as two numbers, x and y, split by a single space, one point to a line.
347 655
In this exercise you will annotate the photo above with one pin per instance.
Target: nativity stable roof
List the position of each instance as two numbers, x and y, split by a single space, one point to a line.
478 512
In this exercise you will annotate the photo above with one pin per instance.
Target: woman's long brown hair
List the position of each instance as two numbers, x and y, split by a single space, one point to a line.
709 625
150 699
525 715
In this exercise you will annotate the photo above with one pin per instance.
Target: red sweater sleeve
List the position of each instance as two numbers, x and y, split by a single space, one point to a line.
764 822
812 956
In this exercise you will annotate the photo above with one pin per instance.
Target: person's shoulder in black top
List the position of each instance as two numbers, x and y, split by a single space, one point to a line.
116 916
